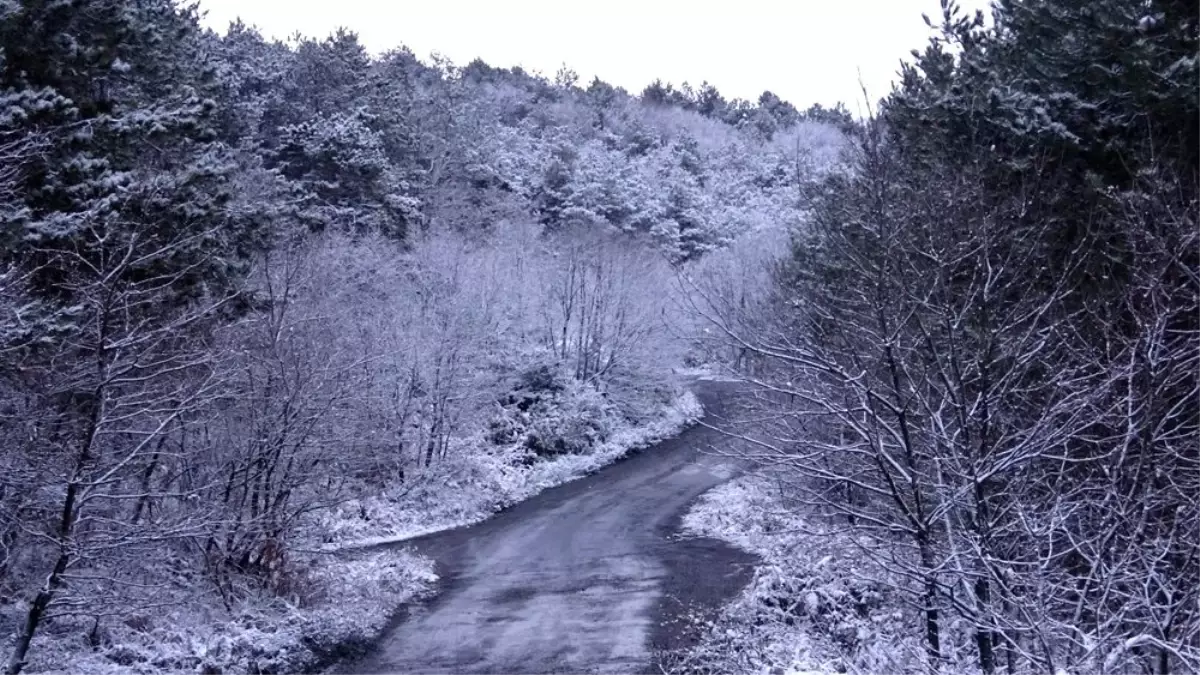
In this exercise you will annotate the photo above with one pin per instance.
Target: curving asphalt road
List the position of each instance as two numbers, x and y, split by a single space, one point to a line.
587 577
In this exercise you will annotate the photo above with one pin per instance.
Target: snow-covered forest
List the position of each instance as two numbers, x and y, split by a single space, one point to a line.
264 299
264 303
976 373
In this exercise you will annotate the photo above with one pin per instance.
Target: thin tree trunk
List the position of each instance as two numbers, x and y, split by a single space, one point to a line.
933 641
37 609
933 638
66 527
144 497
8 540
983 636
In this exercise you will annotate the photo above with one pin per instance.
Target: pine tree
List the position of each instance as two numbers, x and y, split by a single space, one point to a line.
347 182
120 91
709 101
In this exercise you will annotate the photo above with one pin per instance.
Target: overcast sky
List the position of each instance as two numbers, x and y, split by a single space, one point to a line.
806 51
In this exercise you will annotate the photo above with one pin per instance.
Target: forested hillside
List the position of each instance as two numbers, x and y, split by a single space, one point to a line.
265 303
977 375
259 298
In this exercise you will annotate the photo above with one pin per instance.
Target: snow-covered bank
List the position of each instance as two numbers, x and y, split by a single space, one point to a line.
334 602
477 486
340 604
815 605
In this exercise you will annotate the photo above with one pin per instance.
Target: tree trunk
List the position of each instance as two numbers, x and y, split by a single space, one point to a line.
66 526
37 608
431 444
983 635
933 641
144 496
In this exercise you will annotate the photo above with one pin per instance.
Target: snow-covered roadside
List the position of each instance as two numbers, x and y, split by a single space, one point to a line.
471 490
341 605
815 604
344 597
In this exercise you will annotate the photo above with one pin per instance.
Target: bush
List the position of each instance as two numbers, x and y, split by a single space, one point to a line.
816 604
573 422
548 413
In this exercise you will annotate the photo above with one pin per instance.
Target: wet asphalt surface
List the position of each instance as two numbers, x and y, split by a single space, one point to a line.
588 577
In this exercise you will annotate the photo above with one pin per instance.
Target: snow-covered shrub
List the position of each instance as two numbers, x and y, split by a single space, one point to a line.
572 422
815 604
549 413
478 478
638 394
354 598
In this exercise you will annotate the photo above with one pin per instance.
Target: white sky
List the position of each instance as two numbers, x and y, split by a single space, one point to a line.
806 51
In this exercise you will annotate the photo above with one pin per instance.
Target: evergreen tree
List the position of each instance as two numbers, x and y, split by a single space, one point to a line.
347 181
121 92
709 102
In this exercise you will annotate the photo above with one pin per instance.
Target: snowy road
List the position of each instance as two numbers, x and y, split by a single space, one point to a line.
586 577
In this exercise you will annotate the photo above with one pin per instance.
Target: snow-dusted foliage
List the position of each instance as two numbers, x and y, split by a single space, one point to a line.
257 298
381 390
330 608
476 485
816 604
980 354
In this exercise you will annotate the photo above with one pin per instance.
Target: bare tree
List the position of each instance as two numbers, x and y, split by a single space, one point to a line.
19 316
126 366
600 312
935 390
268 449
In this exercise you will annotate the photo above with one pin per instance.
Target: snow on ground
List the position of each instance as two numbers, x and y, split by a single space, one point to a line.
344 597
469 490
342 604
815 604
709 373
